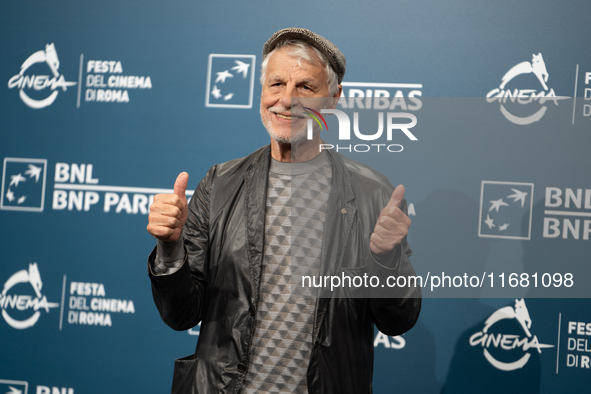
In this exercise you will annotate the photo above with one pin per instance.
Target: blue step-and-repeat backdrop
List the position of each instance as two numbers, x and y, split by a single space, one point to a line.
102 104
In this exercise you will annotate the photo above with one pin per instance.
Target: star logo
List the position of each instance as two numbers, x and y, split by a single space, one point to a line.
506 210
33 172
489 222
216 92
23 184
518 196
16 179
230 81
223 75
241 68
13 387
496 204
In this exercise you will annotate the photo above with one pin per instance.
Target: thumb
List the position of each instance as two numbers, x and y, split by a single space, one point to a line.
180 185
397 196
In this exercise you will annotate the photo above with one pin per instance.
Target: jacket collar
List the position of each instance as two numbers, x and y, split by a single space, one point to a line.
255 194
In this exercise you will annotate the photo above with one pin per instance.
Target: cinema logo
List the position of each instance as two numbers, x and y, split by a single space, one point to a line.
488 339
519 100
578 345
20 310
89 305
587 107
34 84
106 82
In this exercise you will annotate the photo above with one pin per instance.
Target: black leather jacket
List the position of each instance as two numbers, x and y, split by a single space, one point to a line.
218 284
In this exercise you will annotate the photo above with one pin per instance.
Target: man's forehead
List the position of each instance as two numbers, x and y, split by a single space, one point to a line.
298 79
287 55
285 66
282 75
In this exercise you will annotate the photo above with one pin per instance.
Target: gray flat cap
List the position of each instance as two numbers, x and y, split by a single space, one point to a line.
336 59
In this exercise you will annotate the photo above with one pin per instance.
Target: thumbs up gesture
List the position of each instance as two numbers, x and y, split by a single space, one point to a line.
392 225
168 213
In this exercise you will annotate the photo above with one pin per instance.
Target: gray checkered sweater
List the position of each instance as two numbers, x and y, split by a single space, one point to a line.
297 198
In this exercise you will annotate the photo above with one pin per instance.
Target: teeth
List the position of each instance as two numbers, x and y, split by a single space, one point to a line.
284 117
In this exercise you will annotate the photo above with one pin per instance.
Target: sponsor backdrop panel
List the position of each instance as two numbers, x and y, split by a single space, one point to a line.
103 104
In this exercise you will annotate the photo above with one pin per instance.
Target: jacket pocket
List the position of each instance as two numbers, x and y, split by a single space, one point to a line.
354 282
183 379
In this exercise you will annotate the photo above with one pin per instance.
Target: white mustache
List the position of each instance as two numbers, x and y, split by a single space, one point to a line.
293 112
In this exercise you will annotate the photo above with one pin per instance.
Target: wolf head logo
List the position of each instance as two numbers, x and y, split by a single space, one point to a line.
537 67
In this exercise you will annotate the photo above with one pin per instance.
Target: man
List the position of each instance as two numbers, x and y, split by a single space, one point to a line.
228 258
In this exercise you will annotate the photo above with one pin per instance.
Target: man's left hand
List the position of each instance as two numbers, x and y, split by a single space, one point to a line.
392 225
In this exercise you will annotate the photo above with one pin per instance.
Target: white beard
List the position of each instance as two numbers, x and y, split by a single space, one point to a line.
281 136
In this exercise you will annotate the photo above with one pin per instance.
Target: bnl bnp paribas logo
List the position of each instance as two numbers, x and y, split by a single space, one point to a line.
230 81
522 98
23 184
8 386
75 188
21 300
509 345
506 210
36 88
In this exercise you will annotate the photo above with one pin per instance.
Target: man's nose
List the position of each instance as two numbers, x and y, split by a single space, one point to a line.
288 96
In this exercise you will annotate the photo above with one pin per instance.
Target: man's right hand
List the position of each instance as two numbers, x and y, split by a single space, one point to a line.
168 212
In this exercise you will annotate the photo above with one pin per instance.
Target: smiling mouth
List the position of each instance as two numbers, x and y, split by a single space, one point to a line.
292 116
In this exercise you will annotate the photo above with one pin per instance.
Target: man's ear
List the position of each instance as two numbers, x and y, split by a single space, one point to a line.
336 97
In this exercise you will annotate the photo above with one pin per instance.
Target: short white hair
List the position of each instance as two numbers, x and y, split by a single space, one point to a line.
302 50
